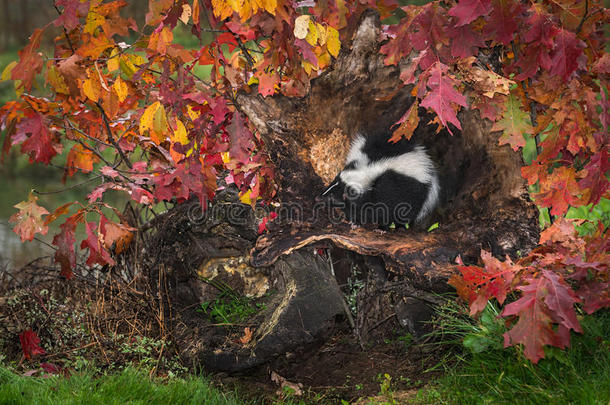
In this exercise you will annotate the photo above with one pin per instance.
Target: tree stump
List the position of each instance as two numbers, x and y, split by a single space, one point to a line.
484 205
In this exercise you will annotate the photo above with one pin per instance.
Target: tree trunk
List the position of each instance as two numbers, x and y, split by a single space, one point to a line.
484 206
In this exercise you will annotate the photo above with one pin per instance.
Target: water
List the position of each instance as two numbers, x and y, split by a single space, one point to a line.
13 253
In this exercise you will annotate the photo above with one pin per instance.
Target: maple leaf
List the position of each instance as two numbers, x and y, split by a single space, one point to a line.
38 145
267 82
30 344
30 61
97 253
559 190
29 220
533 329
65 254
442 94
514 124
596 179
72 11
407 124
478 284
80 158
560 300
241 138
467 11
503 21
567 55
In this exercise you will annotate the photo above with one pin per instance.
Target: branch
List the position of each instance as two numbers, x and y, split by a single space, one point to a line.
111 138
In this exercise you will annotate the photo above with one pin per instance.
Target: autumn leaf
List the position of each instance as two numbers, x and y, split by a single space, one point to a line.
117 236
37 142
247 337
65 254
567 55
97 252
30 344
30 61
407 124
514 124
120 88
467 11
80 158
29 219
533 329
442 96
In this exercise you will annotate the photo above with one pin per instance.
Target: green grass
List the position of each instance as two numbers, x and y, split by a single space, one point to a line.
127 387
580 375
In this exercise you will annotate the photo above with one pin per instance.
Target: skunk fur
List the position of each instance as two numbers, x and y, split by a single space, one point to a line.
384 183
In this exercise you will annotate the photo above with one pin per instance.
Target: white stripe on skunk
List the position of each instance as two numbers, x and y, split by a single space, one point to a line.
377 174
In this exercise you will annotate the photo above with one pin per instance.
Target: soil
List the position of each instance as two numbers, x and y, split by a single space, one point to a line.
342 369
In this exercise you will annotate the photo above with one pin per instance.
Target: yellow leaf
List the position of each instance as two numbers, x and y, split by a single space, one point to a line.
92 89
6 73
94 20
56 80
333 44
120 88
226 158
113 61
312 35
180 135
146 121
193 115
321 34
323 60
159 125
301 26
245 197
270 6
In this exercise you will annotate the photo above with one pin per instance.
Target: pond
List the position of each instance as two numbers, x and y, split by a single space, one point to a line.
17 178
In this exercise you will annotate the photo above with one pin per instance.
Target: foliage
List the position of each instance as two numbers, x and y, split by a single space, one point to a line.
492 375
537 70
127 386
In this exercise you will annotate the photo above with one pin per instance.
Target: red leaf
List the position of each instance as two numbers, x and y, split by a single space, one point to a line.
467 11
267 82
559 190
503 21
80 158
39 144
30 344
478 284
560 300
29 220
596 180
97 253
533 329
465 42
30 61
567 55
241 138
442 94
72 10
64 240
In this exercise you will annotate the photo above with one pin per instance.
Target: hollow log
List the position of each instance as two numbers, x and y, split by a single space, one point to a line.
484 205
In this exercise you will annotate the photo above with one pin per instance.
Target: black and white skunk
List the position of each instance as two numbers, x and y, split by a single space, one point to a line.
384 183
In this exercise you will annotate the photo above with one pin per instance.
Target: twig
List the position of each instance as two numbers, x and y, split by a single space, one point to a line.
111 138
584 17
65 31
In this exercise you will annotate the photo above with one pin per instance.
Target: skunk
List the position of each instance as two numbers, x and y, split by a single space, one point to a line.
384 183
